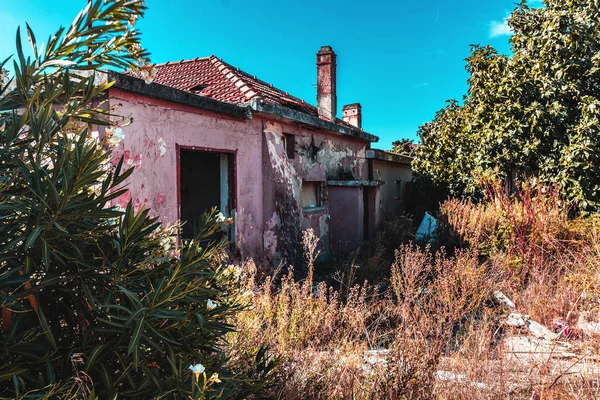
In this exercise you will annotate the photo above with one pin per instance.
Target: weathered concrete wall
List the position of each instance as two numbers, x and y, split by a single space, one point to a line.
268 184
391 197
318 157
150 144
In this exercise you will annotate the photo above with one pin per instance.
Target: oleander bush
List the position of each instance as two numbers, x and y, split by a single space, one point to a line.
96 301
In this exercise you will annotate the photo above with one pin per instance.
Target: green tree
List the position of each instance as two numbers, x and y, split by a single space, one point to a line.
535 113
98 302
404 147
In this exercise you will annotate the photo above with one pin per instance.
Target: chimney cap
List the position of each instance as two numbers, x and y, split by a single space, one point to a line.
325 49
350 106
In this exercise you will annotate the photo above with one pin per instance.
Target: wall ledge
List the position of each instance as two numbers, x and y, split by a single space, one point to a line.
355 183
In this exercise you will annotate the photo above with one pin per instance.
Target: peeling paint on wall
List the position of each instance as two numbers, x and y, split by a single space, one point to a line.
282 231
319 157
270 235
324 225
160 201
336 161
278 158
162 146
135 161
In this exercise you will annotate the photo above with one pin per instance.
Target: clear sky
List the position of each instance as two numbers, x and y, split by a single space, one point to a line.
401 59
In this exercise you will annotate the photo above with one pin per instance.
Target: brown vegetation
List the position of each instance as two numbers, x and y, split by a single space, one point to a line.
438 330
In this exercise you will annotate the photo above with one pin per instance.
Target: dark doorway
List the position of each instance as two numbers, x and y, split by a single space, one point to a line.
204 184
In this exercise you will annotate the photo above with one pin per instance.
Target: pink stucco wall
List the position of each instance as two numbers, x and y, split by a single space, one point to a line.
150 143
268 184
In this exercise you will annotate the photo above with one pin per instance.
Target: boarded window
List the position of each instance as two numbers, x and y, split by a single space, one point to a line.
312 194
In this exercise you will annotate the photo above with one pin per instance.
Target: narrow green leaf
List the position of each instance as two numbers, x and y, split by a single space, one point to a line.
35 232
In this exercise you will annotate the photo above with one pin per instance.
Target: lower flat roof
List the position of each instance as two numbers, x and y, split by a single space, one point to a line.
388 156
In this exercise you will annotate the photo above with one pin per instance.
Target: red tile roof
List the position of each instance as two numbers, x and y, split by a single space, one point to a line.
214 78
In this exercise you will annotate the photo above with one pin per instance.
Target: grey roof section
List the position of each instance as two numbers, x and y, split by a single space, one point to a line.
388 156
242 111
137 85
260 105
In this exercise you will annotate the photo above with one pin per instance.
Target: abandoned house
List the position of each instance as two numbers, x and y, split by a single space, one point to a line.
206 134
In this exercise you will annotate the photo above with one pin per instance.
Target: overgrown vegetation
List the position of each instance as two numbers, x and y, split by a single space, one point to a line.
438 330
534 113
96 302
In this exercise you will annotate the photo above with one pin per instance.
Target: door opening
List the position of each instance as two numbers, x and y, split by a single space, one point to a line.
204 182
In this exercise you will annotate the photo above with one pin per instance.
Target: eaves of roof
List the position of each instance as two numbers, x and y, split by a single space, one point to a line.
242 111
259 105
136 85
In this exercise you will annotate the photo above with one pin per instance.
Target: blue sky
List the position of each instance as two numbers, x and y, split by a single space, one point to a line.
400 59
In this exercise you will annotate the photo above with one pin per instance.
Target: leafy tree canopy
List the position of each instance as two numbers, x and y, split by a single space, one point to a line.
404 147
535 113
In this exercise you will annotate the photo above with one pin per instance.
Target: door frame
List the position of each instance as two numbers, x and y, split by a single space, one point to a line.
232 175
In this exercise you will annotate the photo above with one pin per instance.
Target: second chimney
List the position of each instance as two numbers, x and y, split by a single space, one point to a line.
326 91
352 114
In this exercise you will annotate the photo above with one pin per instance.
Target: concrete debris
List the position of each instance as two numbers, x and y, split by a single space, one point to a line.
540 330
533 350
586 326
528 354
520 320
458 378
515 320
378 356
535 347
537 329
502 298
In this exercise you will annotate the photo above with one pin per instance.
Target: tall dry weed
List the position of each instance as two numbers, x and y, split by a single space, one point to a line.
436 332
523 230
365 344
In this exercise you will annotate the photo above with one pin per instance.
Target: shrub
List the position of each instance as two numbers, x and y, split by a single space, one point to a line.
95 302
524 228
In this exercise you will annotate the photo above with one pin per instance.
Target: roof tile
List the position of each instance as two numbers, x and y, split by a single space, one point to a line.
225 83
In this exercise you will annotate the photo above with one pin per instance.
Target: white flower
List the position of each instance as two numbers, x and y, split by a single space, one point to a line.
220 217
197 369
210 304
114 136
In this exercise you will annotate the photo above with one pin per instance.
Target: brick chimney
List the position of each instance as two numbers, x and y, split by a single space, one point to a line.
352 114
326 91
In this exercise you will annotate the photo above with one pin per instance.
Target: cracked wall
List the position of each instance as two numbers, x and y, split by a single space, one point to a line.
269 218
318 157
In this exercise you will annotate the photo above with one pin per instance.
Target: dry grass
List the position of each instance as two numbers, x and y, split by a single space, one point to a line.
437 332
